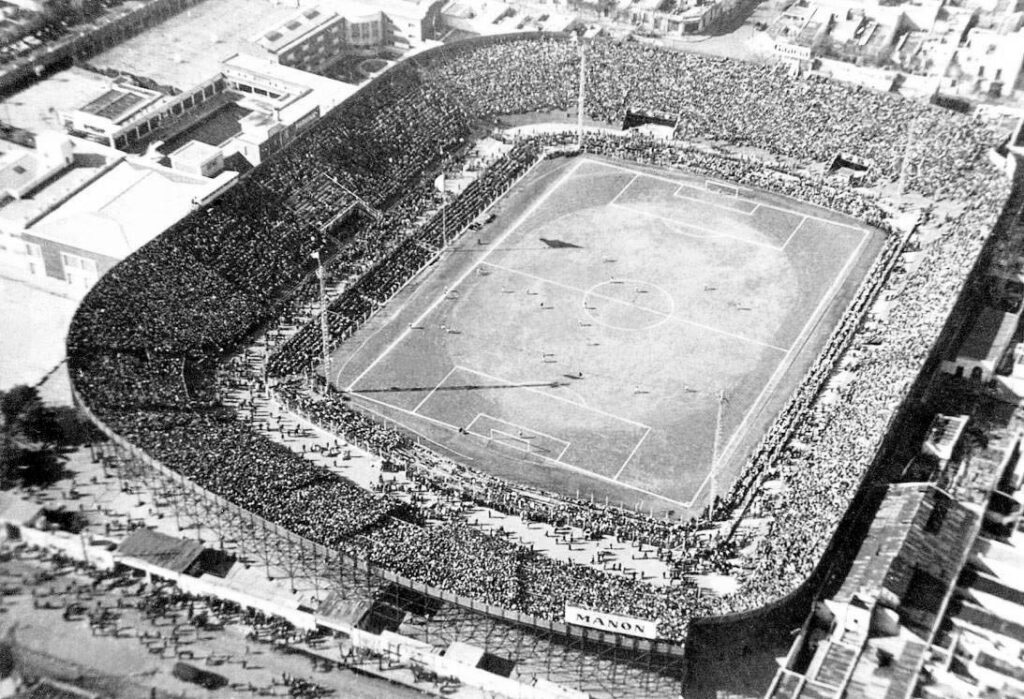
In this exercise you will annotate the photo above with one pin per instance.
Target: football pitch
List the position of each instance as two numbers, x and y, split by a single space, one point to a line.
618 332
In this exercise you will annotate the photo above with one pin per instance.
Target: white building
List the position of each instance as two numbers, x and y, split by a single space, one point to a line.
988 63
98 209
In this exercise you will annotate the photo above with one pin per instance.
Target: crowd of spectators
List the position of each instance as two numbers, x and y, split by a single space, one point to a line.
417 247
230 268
720 100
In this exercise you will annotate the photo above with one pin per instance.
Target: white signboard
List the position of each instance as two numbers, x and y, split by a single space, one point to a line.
800 53
612 623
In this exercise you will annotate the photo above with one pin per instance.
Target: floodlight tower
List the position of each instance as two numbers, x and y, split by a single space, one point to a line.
325 336
583 93
902 183
715 455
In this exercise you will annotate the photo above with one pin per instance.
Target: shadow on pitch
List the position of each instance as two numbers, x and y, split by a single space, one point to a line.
465 387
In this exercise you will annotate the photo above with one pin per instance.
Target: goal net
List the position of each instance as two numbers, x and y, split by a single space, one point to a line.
510 440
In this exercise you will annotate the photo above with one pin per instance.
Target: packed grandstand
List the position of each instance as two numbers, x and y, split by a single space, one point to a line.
145 346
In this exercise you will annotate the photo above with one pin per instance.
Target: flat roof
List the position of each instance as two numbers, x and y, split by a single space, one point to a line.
18 166
188 47
327 92
35 108
122 210
23 212
295 27
114 104
195 152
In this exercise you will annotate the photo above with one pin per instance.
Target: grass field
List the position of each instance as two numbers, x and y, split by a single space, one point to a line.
609 328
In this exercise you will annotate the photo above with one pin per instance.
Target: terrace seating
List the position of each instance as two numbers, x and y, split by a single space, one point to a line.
201 288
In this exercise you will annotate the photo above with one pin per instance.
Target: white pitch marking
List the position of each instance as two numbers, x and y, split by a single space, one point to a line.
630 457
674 318
729 208
563 464
784 364
623 190
441 383
490 248
559 398
519 427
790 236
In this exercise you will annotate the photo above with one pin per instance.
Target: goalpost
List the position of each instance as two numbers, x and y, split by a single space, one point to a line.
508 439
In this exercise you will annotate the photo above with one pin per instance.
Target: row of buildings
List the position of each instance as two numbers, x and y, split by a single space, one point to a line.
972 48
102 156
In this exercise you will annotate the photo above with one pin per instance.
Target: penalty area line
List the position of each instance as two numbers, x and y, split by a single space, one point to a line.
546 459
630 457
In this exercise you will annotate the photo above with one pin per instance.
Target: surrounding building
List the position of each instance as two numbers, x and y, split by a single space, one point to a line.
988 62
94 207
970 50
251 106
933 603
680 17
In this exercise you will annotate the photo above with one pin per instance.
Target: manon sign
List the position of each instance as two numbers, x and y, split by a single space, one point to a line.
611 622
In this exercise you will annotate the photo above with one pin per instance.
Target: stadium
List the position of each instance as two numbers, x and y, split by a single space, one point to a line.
607 329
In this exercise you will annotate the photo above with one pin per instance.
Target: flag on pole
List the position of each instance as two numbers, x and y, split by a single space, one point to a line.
439 183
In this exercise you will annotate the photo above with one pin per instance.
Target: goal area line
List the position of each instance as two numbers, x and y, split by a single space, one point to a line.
518 436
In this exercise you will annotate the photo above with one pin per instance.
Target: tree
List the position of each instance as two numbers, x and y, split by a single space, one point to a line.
30 433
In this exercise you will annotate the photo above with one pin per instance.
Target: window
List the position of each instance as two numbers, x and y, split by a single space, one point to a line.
78 271
35 259
71 261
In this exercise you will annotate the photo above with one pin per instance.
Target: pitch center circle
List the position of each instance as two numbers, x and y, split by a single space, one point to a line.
628 304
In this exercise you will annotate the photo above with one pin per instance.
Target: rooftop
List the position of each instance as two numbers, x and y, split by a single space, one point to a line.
88 162
915 543
35 108
125 208
160 550
188 48
195 152
17 166
120 101
295 27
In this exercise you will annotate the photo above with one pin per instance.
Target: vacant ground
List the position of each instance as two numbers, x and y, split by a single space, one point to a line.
610 328
33 325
